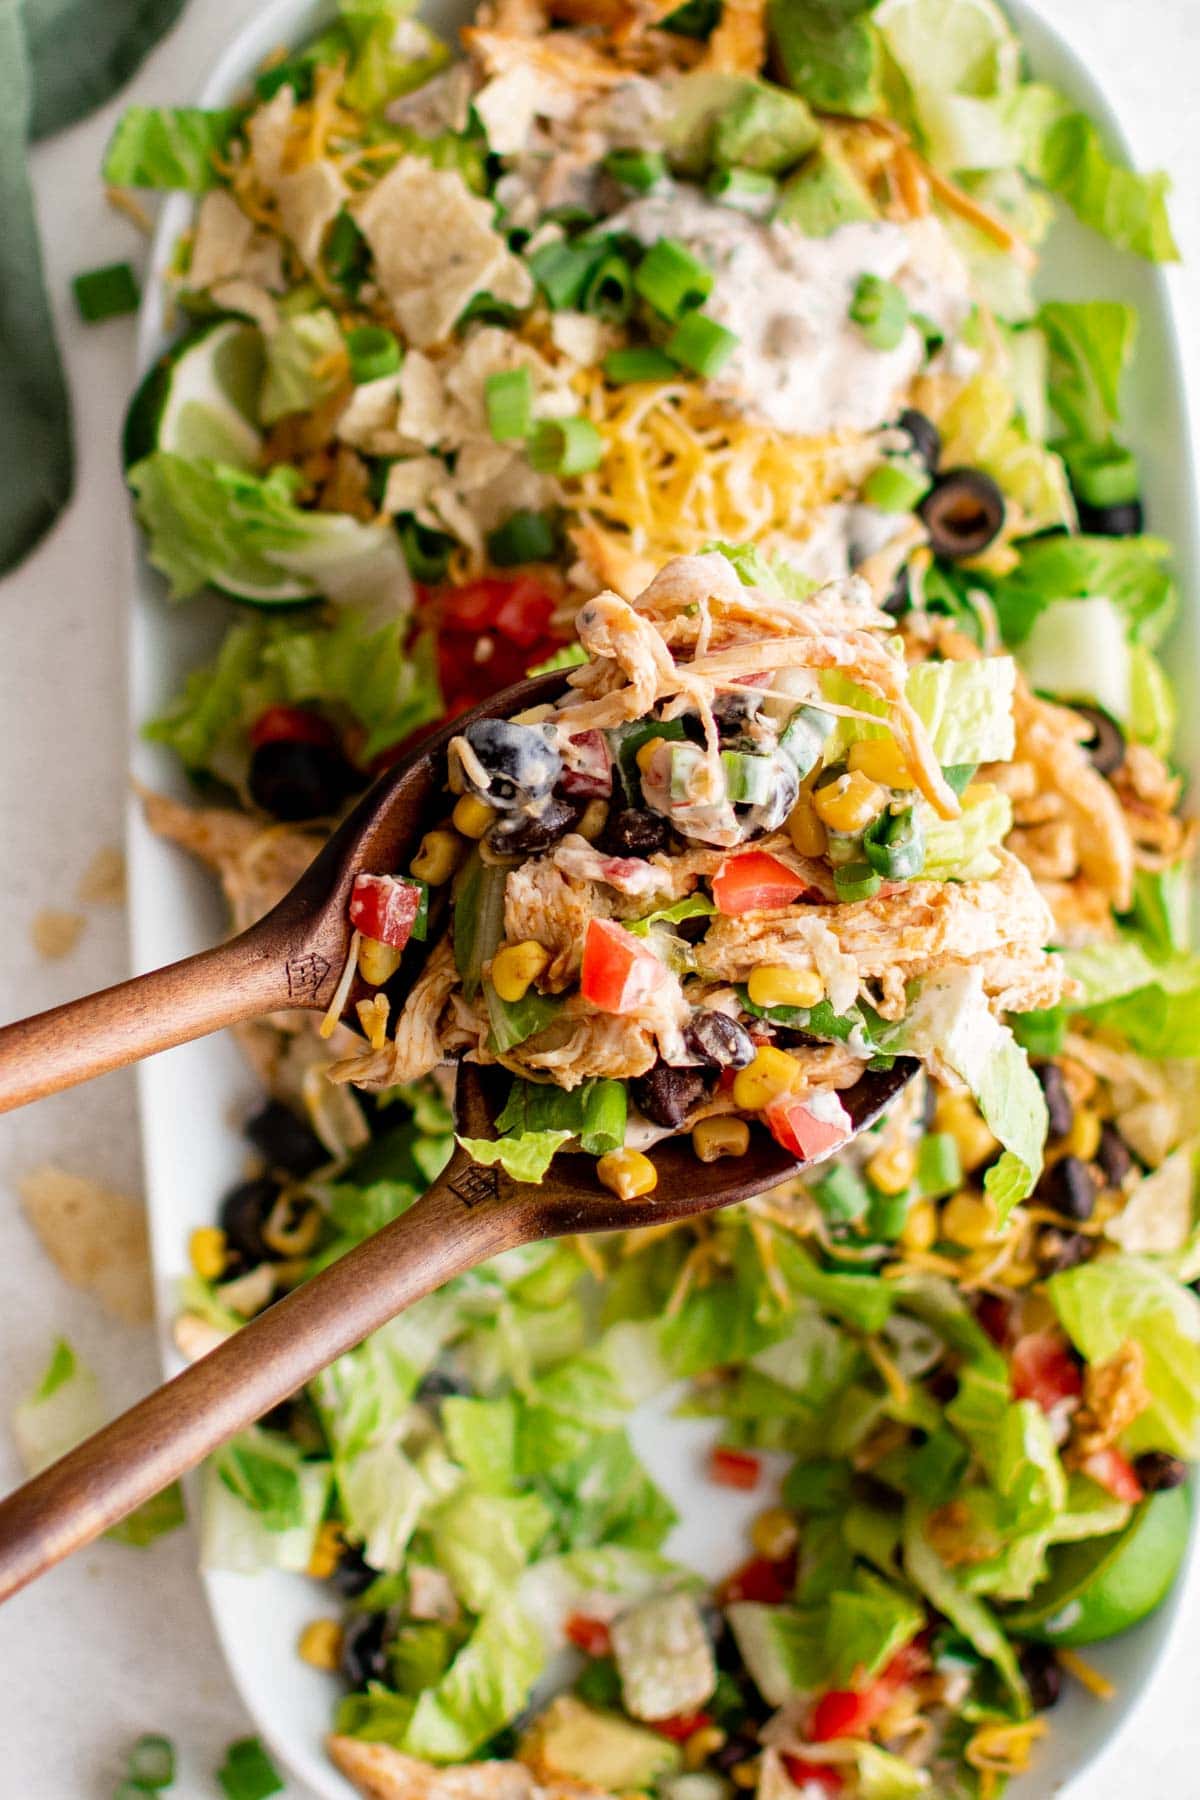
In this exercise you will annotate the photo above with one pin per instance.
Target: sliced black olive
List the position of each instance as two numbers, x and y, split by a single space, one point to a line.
1114 1156
353 1574
1157 1471
1125 520
668 1095
244 1212
1058 1100
633 832
733 712
531 833
1106 746
899 601
294 781
963 513
719 1040
285 1141
1043 1677
1059 1250
520 762
1070 1188
364 1650
925 436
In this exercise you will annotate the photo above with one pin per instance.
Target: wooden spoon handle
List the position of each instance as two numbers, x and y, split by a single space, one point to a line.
243 979
69 1504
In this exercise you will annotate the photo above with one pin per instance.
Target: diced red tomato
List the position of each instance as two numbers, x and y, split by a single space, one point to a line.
384 907
1044 1370
290 725
525 612
1115 1472
589 771
489 632
618 973
589 1635
752 881
851 1712
681 1726
770 1583
734 1468
802 1773
806 1133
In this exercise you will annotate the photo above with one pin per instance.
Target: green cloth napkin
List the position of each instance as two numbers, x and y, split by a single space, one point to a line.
58 60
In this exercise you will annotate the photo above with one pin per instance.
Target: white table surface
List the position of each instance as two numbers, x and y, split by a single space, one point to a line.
118 1641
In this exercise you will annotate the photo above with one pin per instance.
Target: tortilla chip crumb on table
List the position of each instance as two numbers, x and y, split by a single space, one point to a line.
103 881
381 1773
95 1237
54 932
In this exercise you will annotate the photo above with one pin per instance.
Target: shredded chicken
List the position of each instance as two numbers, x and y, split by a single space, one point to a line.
381 1773
416 1049
257 863
578 1048
1051 738
546 902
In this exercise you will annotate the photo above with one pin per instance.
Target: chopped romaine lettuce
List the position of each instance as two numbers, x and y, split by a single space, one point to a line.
969 1615
867 1623
1151 1000
963 849
594 1112
1065 150
484 1541
169 147
392 52
1153 714
63 1409
783 1647
1079 650
304 363
262 1505
383 1495
485 1686
525 1155
1129 572
1091 344
482 1436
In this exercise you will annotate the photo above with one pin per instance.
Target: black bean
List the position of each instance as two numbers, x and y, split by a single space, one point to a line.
1114 1156
285 1141
1039 1666
1059 1250
1157 1471
790 1037
1126 520
1070 1188
244 1211
733 712
364 1652
1106 746
964 512
713 1620
294 781
925 436
719 1040
633 832
668 1095
439 1384
899 601
352 1574
520 762
1058 1100
531 833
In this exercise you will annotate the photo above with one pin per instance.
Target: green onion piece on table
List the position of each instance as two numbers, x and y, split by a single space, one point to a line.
248 1772
508 398
565 447
152 1761
373 351
671 279
880 309
106 293
700 344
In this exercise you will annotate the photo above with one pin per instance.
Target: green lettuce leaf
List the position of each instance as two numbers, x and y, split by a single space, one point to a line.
364 1396
1103 1304
963 849
291 382
1152 1000
1153 713
1091 344
262 1505
882 1775
969 1615
1129 572
783 1647
524 1155
482 1436
485 1686
966 707
169 147
1066 151
63 1409
867 1624
484 1541
392 52
605 1496
595 1112
1079 650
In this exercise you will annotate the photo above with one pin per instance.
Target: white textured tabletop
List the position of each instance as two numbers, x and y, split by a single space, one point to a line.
118 1642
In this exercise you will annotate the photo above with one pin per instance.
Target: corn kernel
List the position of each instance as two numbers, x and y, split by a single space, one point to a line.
882 761
921 1226
774 1534
849 803
472 816
326 1551
1018 1274
627 1173
714 1138
805 829
701 1745
771 1074
958 1114
437 858
892 1169
593 821
969 1220
377 962
776 986
320 1644
648 752
206 1249
1083 1139
744 1774
517 967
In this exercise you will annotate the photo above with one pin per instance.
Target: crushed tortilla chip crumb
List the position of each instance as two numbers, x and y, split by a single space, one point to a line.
103 881
55 932
95 1237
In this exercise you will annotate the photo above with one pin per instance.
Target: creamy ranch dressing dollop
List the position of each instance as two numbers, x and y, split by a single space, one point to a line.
801 363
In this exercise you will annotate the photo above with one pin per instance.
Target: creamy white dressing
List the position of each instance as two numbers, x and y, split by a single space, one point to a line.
801 363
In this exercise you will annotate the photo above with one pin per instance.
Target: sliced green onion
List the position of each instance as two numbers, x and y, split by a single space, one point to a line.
1103 474
346 253
131 1790
880 308
856 881
700 344
488 310
897 486
746 189
508 398
374 351
933 334
895 844
562 271
639 362
420 924
524 537
565 447
842 1195
887 1216
939 1166
609 290
248 1772
426 552
803 737
106 293
640 170
748 779
152 1761
512 1021
671 279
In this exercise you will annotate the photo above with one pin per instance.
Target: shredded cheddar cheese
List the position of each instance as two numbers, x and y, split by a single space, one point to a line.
1005 1749
1098 1685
